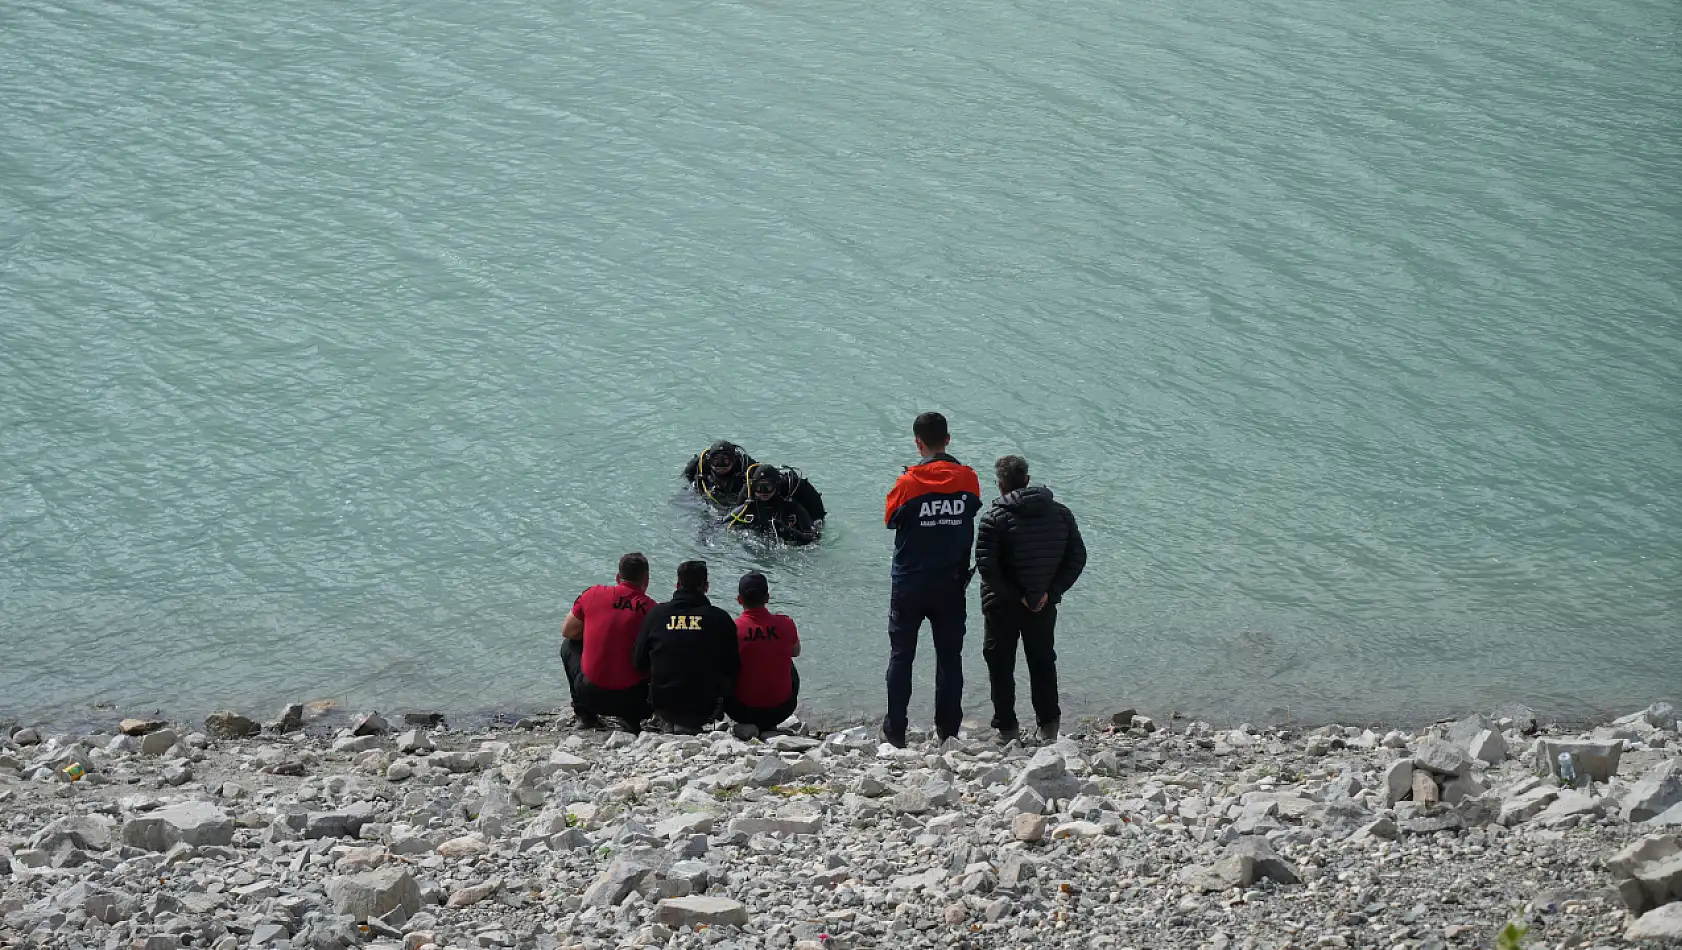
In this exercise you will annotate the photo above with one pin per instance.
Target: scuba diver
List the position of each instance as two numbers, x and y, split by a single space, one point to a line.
770 511
801 492
720 474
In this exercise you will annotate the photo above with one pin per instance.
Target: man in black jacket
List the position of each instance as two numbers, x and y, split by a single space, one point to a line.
1029 553
687 648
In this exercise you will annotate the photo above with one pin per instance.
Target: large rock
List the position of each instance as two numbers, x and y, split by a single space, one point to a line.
625 874
1441 757
1489 746
344 823
1047 773
375 893
370 724
1655 883
1643 851
1660 716
159 742
796 825
1523 717
1457 790
291 719
1670 818
1463 732
230 725
141 727
1662 924
87 832
1570 804
1250 860
682 826
1594 759
199 824
699 911
1657 791
415 740
1022 801
466 846
1524 807
1398 781
772 770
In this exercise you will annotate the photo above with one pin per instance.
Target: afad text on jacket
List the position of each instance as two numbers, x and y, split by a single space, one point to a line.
932 510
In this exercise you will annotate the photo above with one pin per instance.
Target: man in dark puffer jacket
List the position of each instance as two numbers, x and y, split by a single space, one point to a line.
1029 552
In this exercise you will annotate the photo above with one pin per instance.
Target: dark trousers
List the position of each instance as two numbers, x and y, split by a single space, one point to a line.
1005 625
588 699
765 717
943 603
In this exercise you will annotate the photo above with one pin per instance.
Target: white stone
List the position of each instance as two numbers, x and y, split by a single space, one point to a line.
375 893
1662 924
1028 826
1646 850
1441 757
466 846
796 825
197 824
1077 829
1657 791
1398 781
700 910
158 743
1527 806
1489 746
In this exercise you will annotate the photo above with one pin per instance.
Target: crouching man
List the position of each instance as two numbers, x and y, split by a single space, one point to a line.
768 686
687 648
599 638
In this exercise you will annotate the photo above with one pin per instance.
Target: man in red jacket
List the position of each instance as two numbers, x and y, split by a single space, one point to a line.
768 686
931 510
600 635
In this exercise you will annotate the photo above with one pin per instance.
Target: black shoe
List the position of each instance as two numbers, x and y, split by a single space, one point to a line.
897 740
584 720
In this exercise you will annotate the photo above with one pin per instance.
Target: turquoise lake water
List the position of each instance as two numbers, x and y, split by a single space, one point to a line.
341 345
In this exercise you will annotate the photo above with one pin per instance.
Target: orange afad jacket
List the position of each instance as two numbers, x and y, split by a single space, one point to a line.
932 509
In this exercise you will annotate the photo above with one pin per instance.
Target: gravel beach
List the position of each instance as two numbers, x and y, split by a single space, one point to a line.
1125 833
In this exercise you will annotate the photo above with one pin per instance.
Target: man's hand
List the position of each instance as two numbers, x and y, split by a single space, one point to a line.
1036 607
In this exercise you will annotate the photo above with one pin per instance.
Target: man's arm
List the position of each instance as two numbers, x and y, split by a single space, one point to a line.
796 527
573 627
642 655
989 558
1074 559
794 637
693 469
726 652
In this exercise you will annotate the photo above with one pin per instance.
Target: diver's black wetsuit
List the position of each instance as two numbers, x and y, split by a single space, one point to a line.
779 517
802 492
728 490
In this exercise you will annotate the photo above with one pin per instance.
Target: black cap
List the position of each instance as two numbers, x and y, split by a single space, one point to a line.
767 475
754 586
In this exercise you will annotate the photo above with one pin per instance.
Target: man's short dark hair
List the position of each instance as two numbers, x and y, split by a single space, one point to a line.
692 575
754 590
1012 472
633 568
931 428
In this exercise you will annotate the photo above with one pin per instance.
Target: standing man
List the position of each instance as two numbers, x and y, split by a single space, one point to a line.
599 637
1029 552
687 648
932 511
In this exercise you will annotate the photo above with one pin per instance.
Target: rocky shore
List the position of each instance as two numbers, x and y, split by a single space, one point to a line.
1124 833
